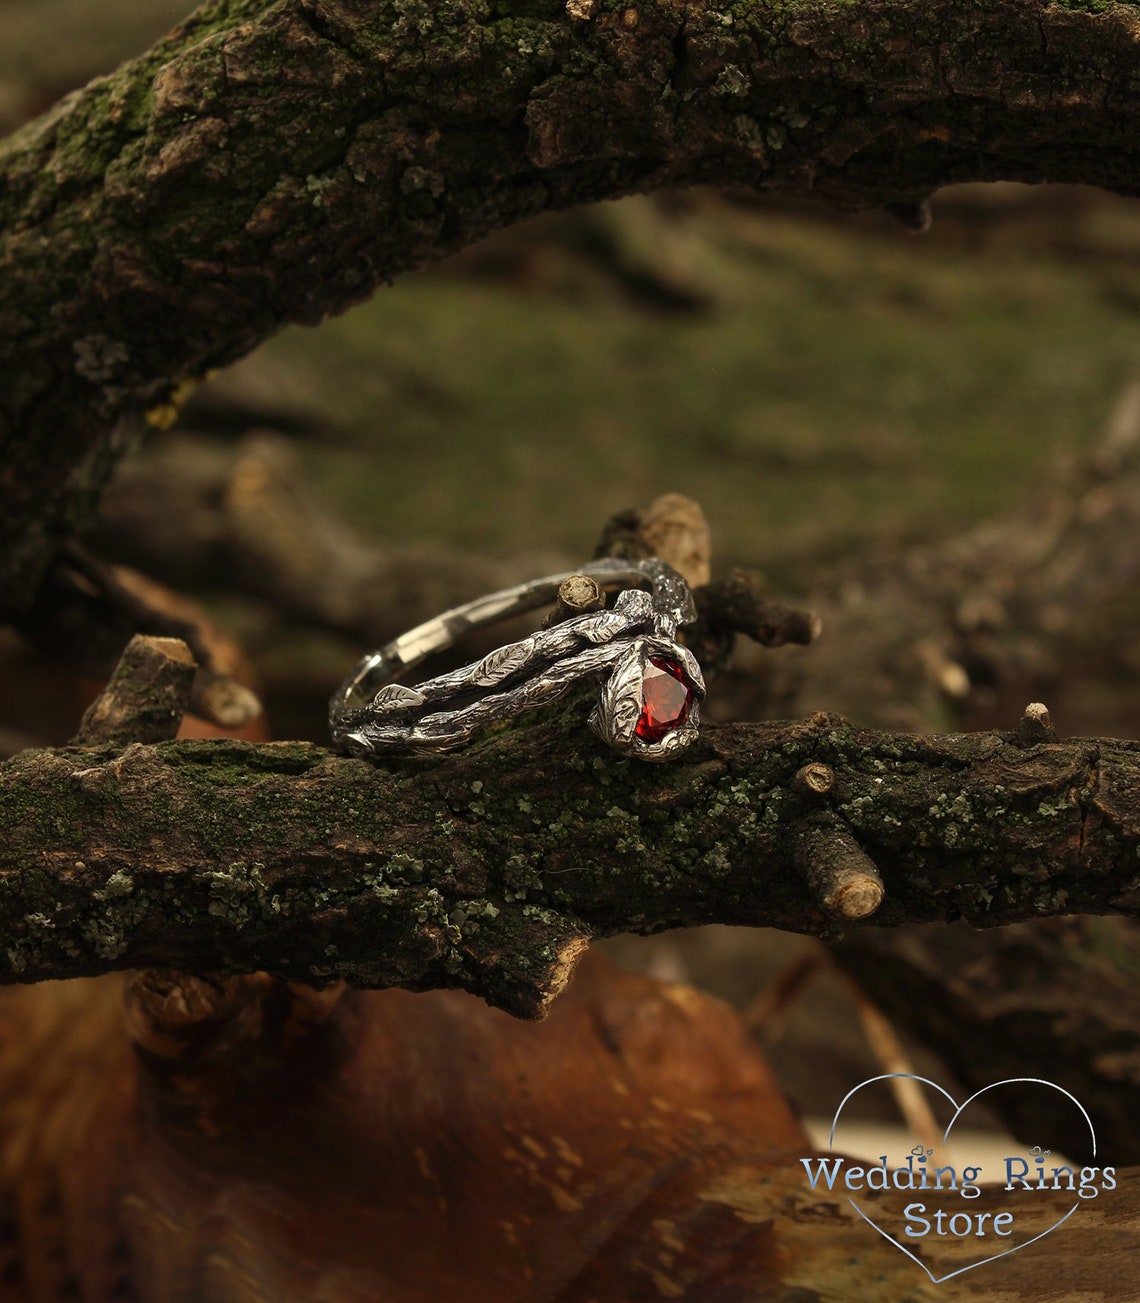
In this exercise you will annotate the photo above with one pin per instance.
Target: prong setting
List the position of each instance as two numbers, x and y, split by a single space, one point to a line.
651 686
622 704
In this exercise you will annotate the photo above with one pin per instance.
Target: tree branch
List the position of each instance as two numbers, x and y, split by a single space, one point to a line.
490 870
273 161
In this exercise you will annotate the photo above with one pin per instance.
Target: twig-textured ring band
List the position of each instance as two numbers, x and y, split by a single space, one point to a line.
649 702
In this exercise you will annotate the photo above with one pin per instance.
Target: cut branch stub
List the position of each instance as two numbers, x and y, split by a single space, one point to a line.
577 595
814 780
838 871
86 611
1036 725
146 697
675 529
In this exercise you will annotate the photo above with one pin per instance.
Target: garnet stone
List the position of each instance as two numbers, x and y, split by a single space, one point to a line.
666 699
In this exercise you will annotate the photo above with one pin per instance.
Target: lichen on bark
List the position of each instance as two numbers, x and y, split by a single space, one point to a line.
491 870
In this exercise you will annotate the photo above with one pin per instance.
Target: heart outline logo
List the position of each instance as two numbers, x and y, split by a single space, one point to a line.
958 1111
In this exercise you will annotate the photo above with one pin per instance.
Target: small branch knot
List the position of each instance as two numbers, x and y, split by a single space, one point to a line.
1035 725
814 780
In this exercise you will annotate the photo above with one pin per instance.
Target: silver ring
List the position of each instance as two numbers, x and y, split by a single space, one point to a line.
648 705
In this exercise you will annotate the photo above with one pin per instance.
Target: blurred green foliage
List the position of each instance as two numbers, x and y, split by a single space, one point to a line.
817 385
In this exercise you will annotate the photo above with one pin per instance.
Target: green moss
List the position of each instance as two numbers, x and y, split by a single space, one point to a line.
234 762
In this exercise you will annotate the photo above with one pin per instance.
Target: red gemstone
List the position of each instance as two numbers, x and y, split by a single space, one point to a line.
666 699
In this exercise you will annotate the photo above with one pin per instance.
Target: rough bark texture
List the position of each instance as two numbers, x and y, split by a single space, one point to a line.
276 160
491 870
146 697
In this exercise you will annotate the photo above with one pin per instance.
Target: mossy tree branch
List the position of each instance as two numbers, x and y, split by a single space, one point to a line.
491 869
273 161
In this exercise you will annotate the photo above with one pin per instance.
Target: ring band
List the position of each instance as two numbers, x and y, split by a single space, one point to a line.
648 706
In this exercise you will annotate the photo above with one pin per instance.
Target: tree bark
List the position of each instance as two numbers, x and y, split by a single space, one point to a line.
274 161
491 869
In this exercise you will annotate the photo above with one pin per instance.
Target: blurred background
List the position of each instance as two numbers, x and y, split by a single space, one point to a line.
929 439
